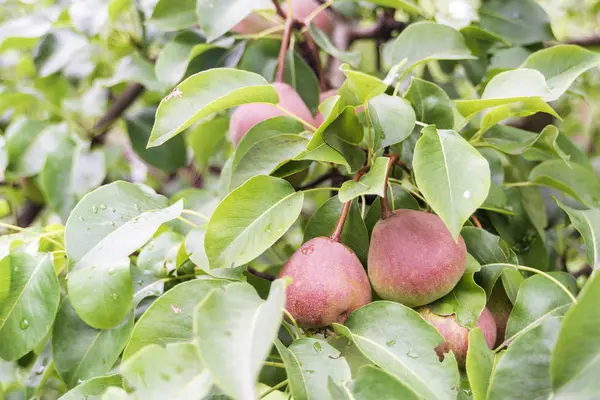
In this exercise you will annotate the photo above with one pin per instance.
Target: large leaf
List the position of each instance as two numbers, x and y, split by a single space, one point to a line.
206 93
206 139
539 298
524 368
427 41
354 234
169 318
373 182
395 116
174 372
81 352
405 5
517 21
234 331
250 219
170 16
28 312
309 364
451 174
587 222
561 65
480 361
94 388
374 383
216 17
398 340
432 105
577 181
113 221
575 368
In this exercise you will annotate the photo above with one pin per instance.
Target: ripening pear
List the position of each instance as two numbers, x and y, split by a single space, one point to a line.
456 335
413 258
328 283
246 116
500 306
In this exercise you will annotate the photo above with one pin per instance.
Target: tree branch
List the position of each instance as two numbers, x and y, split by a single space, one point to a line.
317 181
28 213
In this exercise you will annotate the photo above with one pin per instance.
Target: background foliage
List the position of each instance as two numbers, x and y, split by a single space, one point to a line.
140 245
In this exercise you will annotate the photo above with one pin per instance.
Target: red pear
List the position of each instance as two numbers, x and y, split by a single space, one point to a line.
413 258
328 283
500 306
456 335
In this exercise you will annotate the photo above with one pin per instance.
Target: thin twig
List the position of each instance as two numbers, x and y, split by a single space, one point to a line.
262 275
339 227
476 222
385 207
285 42
116 109
317 181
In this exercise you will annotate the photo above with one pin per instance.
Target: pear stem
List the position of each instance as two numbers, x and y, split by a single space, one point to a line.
339 227
285 42
386 212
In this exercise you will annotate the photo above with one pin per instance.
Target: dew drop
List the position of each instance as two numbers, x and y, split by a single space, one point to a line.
112 223
103 206
79 381
309 371
137 208
268 229
468 392
95 209
81 218
317 347
390 343
16 269
140 282
115 296
412 354
467 194
23 324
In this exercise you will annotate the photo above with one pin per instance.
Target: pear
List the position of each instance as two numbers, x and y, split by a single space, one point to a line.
500 306
328 283
413 258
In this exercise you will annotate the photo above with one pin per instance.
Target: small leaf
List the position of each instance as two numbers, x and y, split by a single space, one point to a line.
310 364
344 134
364 86
451 174
234 331
374 383
173 371
587 222
395 116
323 41
466 300
432 105
400 342
577 181
354 235
372 182
206 93
81 352
169 16
169 318
524 367
93 389
480 361
216 17
561 65
207 140
28 312
422 42
574 369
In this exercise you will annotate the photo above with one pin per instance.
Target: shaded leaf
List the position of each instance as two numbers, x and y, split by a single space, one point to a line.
480 362
432 105
93 389
587 222
323 41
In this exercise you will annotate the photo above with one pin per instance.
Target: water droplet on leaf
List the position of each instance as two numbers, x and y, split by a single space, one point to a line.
24 324
317 347
390 343
412 354
95 209
115 296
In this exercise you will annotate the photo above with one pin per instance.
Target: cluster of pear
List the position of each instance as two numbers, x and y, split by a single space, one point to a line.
413 258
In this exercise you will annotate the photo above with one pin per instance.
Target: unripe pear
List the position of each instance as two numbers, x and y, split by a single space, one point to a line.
328 283
413 258
456 335
301 9
246 116
500 306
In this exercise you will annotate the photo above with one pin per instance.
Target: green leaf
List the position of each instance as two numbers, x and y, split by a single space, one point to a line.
405 5
265 156
206 93
102 294
310 364
116 393
587 222
480 361
354 234
398 340
93 389
234 331
344 134
574 368
28 312
170 16
517 141
395 116
199 200
168 157
169 318
466 300
497 200
432 105
521 22
174 372
207 139
250 220
5 275
519 85
134 68
561 65
539 298
374 383
524 367
56 51
364 86
158 256
216 17
577 181
113 221
422 42
323 41
372 182
81 352
451 174
89 16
